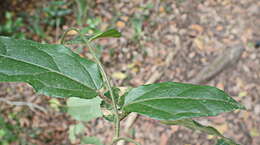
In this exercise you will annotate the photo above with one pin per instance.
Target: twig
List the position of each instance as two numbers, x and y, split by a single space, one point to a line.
224 60
18 103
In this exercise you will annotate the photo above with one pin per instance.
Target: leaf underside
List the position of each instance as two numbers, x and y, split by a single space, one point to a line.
52 70
84 109
175 101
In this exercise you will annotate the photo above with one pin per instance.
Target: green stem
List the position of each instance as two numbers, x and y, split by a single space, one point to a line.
125 139
104 75
117 121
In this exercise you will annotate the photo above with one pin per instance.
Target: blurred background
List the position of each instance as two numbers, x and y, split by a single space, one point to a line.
212 42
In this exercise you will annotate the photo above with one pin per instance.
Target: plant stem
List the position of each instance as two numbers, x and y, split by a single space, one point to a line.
117 121
125 139
104 75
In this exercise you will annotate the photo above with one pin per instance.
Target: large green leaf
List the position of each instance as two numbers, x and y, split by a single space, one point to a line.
52 70
84 109
175 101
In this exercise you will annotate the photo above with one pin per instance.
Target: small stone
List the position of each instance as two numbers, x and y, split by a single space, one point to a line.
257 109
254 9
192 54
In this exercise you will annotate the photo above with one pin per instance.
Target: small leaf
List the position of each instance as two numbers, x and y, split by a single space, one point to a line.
108 33
78 40
53 70
194 125
119 94
115 92
84 109
108 115
91 140
120 24
176 101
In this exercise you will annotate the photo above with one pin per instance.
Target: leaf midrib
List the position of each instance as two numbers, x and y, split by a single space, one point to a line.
173 114
172 98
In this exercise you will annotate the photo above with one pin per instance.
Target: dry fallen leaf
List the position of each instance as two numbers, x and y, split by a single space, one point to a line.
197 27
199 43
219 28
161 9
72 32
242 94
119 75
222 128
120 24
254 132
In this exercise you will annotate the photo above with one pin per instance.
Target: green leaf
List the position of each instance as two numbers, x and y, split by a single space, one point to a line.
78 40
175 101
91 140
108 33
84 109
115 92
194 125
53 70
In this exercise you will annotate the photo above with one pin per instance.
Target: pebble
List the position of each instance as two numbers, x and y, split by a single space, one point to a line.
257 109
